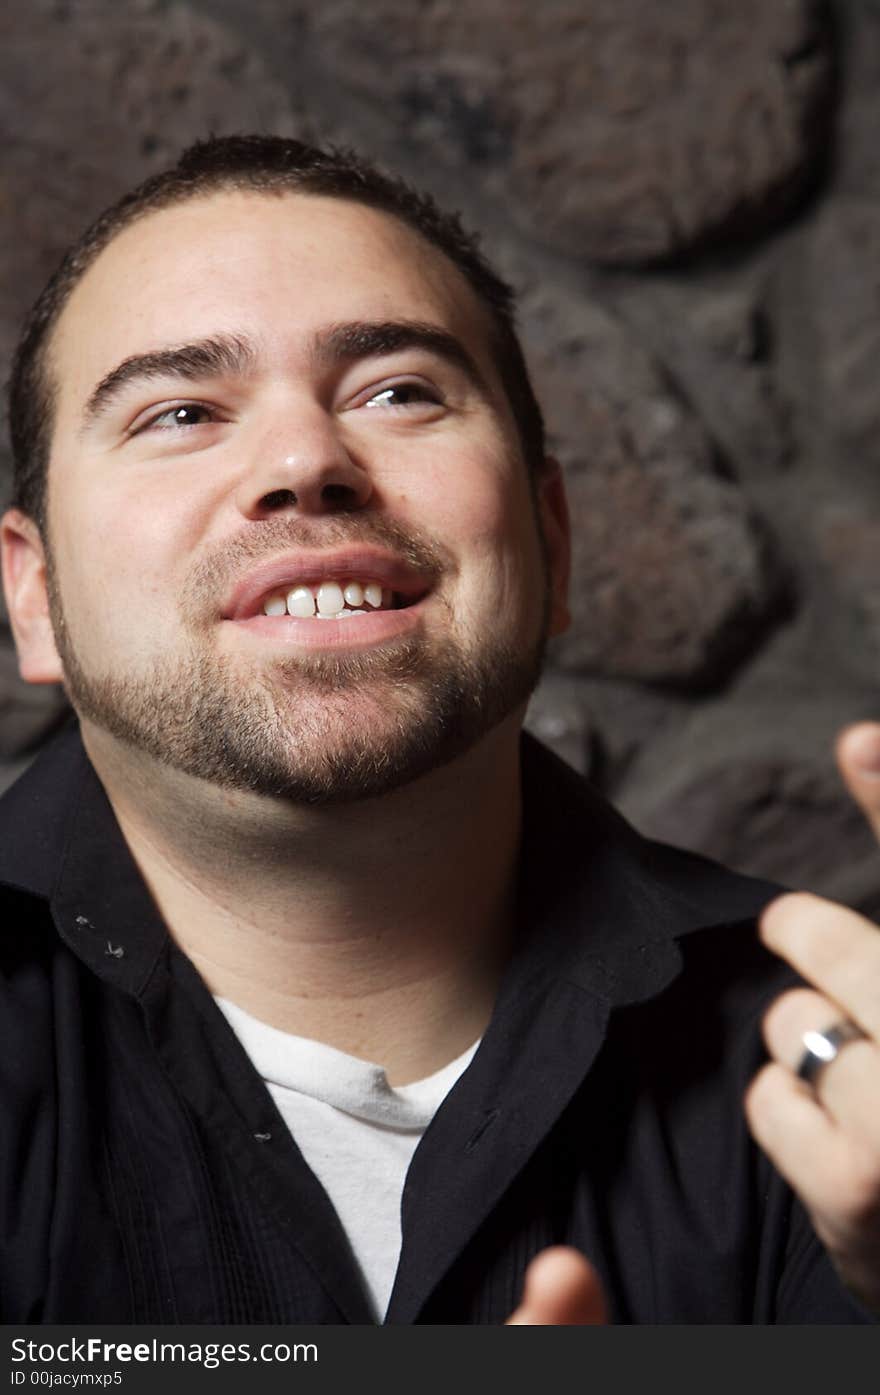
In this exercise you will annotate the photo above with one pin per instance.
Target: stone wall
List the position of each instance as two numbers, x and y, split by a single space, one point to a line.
687 196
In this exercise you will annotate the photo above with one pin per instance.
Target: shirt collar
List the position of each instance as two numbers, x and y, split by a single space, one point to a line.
601 904
62 843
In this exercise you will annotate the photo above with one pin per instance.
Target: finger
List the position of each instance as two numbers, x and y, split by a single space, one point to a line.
858 756
837 1179
835 948
561 1289
847 1088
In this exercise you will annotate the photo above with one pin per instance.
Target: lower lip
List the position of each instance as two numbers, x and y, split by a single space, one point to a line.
358 632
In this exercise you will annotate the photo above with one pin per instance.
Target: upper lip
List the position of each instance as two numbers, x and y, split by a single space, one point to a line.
306 568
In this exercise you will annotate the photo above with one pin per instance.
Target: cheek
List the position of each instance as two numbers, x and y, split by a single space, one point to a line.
110 570
494 537
475 502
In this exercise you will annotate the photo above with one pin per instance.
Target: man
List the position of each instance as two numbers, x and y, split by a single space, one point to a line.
328 997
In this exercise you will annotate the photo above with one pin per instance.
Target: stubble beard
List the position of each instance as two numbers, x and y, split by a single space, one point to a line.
317 730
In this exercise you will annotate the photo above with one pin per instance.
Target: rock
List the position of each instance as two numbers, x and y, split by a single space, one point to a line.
28 712
581 117
671 580
625 718
717 345
557 717
753 783
849 545
5 495
844 284
667 576
95 96
792 823
856 168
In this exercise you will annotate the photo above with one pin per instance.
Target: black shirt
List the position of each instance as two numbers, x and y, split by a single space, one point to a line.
146 1176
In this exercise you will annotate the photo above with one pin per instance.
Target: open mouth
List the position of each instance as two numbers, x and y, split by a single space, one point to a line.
373 596
334 600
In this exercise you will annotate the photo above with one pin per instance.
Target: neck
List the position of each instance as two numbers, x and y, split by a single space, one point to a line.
380 927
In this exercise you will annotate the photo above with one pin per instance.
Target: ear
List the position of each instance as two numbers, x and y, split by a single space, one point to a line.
553 518
27 600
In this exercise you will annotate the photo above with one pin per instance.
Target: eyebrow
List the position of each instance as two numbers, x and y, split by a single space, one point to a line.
226 355
206 358
372 338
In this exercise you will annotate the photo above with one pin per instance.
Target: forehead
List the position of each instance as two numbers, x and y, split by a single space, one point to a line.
274 266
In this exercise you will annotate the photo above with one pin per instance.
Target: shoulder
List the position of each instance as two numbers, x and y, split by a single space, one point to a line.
35 814
34 967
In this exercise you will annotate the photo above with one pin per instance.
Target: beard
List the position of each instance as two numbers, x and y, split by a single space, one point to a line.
312 729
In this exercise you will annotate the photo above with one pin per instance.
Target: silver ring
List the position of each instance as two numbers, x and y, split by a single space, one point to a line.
821 1048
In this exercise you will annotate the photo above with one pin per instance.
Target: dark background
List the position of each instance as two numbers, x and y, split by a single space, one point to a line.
687 196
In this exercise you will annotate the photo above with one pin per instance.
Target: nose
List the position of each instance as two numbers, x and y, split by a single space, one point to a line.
305 467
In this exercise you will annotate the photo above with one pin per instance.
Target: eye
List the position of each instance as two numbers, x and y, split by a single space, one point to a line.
185 414
405 395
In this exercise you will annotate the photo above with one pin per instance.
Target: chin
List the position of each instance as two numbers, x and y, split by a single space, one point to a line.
329 732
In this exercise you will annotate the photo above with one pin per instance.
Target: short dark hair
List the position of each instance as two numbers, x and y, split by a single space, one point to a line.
264 164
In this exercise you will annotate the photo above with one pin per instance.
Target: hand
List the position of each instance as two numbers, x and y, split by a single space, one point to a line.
824 1137
561 1289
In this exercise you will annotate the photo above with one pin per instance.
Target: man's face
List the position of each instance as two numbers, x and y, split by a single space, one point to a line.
334 421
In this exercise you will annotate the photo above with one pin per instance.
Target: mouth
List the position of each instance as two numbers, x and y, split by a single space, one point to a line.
330 601
334 600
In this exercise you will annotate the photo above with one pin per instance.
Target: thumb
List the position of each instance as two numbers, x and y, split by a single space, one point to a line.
561 1289
858 756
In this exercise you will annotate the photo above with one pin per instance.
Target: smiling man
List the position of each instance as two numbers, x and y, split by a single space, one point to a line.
328 996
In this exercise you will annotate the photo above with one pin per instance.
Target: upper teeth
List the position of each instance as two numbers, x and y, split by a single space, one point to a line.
328 600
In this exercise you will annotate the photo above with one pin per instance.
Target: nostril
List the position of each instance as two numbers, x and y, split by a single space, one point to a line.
337 493
279 498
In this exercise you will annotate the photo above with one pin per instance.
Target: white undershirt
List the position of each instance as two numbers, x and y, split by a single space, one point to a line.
355 1131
